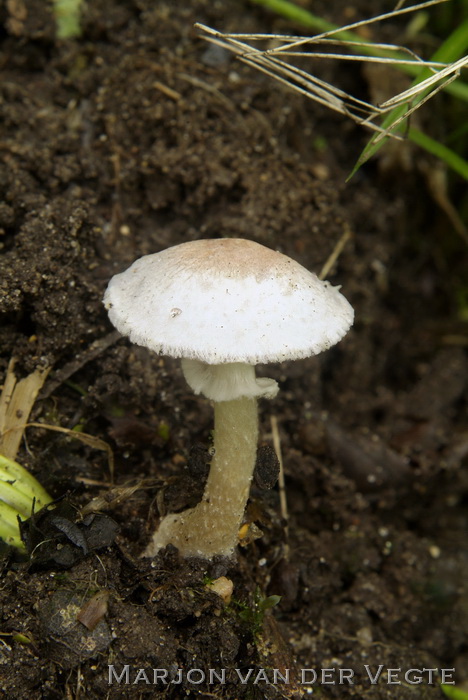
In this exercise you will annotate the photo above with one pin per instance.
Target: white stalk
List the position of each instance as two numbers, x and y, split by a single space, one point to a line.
211 528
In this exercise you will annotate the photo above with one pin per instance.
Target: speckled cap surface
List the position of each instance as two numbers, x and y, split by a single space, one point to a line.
227 300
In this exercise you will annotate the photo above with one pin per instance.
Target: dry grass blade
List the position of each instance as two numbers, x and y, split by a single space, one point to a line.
358 57
450 72
299 80
87 439
80 359
324 92
275 61
389 132
16 401
336 252
281 483
90 440
371 20
113 497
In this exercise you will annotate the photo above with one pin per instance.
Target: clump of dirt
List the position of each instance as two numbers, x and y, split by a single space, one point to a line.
135 137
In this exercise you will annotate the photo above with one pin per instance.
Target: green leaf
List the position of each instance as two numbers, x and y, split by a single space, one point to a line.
9 530
14 474
67 18
270 602
454 693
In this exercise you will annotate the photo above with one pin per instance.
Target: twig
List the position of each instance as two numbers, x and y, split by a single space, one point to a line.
281 483
93 351
197 82
336 252
166 90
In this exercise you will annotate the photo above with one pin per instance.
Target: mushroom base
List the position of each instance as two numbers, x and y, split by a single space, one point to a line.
211 528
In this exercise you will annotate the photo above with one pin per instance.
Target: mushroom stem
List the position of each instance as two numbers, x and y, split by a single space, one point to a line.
212 527
231 471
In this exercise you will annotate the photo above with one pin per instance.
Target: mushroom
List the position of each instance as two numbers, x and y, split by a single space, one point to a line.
223 306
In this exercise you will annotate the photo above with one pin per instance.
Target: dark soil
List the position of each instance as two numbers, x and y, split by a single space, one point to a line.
136 137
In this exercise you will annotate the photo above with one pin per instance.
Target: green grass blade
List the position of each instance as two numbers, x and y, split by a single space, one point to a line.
289 10
452 159
445 154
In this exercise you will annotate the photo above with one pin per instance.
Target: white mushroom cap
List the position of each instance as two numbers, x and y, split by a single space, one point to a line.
227 300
